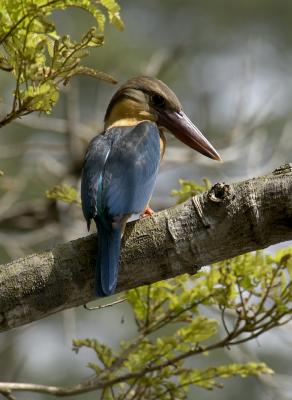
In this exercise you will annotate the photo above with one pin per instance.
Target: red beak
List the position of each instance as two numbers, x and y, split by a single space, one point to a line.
182 127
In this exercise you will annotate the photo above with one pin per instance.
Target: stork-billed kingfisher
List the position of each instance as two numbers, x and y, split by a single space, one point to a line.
121 164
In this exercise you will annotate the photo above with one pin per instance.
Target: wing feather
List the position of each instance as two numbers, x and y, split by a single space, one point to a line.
92 173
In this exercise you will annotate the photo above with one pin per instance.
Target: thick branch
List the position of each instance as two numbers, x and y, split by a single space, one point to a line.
226 221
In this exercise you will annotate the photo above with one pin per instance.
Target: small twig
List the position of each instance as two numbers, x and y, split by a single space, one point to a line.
8 395
241 299
267 292
127 392
113 303
148 306
222 309
113 393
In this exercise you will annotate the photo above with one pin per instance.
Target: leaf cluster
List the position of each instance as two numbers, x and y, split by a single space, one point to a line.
65 193
189 189
248 295
39 58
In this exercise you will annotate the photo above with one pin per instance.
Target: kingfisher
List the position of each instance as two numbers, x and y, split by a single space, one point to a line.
121 165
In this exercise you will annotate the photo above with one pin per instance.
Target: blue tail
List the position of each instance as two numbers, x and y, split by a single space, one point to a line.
107 264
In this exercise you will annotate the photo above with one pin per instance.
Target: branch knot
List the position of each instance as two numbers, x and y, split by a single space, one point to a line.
219 192
283 169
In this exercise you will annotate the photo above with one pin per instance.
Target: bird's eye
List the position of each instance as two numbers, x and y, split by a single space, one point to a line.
157 100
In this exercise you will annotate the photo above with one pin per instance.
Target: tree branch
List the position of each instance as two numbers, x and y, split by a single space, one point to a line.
226 221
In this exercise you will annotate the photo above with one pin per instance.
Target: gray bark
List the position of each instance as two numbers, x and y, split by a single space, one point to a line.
226 221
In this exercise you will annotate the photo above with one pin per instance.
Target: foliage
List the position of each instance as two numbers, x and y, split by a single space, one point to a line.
65 193
249 295
40 59
189 189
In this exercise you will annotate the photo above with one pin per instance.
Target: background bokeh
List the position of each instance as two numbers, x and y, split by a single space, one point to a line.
230 64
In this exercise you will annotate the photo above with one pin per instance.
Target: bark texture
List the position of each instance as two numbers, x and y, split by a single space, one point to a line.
226 221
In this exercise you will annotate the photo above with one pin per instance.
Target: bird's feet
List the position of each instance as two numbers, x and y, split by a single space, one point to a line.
147 213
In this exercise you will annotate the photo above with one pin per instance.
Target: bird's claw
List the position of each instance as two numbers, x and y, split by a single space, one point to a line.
147 213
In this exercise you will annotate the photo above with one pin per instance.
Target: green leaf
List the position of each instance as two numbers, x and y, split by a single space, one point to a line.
190 189
65 193
114 13
42 97
207 378
103 352
199 330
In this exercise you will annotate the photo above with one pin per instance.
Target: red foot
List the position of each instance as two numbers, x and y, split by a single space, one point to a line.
147 213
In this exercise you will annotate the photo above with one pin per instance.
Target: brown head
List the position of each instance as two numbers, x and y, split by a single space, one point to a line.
144 98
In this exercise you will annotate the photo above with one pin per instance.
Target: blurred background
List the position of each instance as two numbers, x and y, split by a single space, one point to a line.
230 64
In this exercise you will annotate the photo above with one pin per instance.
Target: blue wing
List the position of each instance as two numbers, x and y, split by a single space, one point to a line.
92 173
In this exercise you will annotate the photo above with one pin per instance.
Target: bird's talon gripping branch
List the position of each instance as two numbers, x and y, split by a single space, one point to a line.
147 213
121 165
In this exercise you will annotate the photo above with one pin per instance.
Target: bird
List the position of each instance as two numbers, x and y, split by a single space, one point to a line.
121 165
